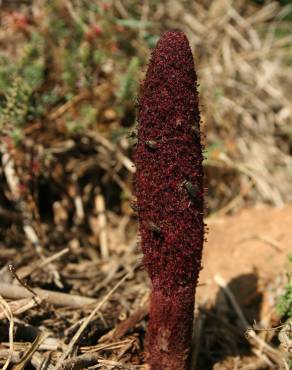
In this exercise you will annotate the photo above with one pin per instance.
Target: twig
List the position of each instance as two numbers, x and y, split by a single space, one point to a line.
27 356
75 16
127 163
42 264
258 365
15 275
55 298
80 362
19 306
102 223
69 104
9 215
109 345
89 359
34 239
37 360
122 328
14 186
6 309
86 322
10 174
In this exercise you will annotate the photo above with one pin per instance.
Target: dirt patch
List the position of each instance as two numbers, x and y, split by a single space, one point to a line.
249 251
252 241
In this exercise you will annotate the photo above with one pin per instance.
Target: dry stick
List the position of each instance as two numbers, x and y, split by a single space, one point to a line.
102 223
24 284
110 364
252 336
80 214
6 308
127 163
11 177
262 356
75 16
103 346
55 298
86 322
69 104
122 328
27 356
34 239
19 306
10 215
14 186
90 359
81 362
42 264
4 353
49 343
37 360
41 362
258 365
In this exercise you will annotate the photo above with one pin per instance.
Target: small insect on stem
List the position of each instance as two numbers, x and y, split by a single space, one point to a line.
132 135
152 144
154 228
196 130
134 206
192 189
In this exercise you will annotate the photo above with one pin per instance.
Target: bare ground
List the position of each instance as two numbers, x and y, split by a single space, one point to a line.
249 252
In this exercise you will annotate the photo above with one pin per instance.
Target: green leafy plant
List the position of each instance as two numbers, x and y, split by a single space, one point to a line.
16 105
284 306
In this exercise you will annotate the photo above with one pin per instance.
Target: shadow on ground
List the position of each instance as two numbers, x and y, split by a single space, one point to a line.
222 336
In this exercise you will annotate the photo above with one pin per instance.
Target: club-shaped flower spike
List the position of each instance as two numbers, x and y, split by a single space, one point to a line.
166 179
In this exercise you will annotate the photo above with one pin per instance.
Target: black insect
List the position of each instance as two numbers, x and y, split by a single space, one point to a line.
132 135
196 129
134 206
192 189
154 228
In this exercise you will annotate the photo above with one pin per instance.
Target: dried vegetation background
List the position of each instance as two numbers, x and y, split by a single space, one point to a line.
73 292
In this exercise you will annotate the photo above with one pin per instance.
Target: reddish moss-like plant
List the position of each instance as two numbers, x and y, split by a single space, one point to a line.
169 189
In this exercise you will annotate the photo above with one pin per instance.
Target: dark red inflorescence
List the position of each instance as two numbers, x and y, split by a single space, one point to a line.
169 189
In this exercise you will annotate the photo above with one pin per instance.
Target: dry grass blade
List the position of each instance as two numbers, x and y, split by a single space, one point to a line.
28 270
102 223
19 306
242 61
8 313
86 321
28 355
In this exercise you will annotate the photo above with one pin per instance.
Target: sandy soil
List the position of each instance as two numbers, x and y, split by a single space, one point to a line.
249 251
254 241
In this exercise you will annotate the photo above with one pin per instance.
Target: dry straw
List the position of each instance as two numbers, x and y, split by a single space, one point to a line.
244 69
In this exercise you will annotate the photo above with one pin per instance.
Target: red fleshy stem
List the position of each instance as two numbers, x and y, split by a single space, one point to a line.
169 189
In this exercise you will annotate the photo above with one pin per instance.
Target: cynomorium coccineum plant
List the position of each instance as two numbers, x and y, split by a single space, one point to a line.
169 189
